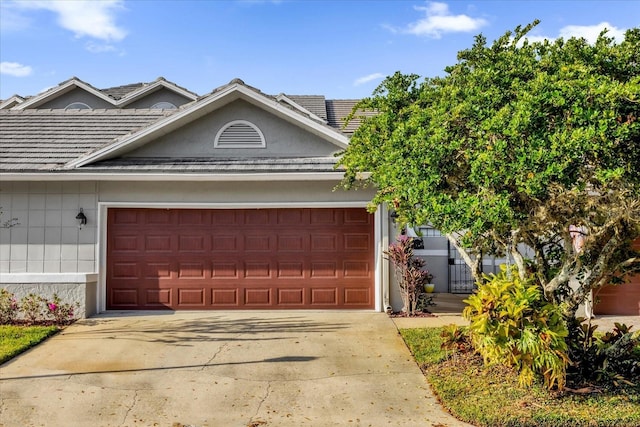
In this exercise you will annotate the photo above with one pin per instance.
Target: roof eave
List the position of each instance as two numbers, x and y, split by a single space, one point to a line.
145 90
163 176
61 89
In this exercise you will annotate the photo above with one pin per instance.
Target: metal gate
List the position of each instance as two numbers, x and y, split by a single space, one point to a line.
460 277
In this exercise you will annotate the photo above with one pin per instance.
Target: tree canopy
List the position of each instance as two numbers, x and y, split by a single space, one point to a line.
515 144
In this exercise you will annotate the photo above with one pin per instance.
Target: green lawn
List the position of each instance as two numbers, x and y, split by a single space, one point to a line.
16 339
492 397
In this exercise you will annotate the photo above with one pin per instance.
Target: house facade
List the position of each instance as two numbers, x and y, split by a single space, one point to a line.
148 196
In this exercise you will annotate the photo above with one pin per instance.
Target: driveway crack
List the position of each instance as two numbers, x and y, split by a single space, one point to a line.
212 358
253 420
135 400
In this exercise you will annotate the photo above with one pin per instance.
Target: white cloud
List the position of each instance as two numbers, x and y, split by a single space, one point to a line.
536 39
85 18
15 69
368 78
439 20
11 20
99 47
591 32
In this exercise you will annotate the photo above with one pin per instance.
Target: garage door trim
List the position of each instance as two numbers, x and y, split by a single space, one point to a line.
101 296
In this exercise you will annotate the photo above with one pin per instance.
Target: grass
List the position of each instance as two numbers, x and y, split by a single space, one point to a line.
17 339
491 396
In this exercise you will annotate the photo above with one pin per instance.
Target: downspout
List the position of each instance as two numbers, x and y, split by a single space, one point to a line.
384 265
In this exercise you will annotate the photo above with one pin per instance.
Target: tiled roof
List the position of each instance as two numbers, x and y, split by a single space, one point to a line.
314 103
339 109
118 92
47 139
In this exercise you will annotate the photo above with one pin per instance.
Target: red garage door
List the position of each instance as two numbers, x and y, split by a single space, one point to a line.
239 259
620 299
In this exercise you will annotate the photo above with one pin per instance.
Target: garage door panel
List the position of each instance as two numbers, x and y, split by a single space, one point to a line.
291 270
259 243
191 297
324 270
126 270
357 216
157 243
126 297
291 217
224 243
257 217
158 297
324 242
356 269
290 297
292 243
157 270
193 243
257 270
324 296
224 297
191 270
125 216
158 216
324 217
224 270
257 296
222 259
357 241
357 296
125 243
194 217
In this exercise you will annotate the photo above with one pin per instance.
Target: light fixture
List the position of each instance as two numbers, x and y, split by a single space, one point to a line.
82 219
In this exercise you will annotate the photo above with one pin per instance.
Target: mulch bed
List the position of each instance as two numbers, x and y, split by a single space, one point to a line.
405 314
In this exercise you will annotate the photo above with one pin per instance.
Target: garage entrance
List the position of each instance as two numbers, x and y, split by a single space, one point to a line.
240 259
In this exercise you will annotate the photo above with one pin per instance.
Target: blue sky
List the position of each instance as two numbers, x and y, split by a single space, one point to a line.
340 49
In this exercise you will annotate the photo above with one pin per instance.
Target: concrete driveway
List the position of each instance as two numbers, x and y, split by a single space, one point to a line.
276 368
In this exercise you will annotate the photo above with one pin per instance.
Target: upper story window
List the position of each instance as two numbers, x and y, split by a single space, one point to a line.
239 134
163 106
77 106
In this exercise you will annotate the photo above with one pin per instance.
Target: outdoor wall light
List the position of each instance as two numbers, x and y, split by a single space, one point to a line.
82 219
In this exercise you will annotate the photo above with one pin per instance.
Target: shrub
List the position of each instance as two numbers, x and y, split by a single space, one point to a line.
410 274
32 306
512 324
62 313
8 307
610 359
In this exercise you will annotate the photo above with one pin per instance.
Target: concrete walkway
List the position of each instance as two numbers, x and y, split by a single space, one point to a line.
448 310
241 369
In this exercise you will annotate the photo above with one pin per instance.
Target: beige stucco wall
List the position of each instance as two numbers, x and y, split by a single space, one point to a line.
283 139
265 192
160 95
77 95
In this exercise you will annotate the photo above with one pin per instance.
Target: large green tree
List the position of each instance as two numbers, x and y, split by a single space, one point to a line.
515 144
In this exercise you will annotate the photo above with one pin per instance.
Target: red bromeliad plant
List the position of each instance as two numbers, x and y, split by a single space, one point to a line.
409 271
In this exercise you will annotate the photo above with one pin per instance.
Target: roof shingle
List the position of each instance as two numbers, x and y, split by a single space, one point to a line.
47 139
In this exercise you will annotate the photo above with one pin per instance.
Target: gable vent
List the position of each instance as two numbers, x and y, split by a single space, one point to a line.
239 134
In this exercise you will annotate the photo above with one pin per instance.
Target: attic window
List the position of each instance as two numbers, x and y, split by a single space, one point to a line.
163 106
239 134
77 106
